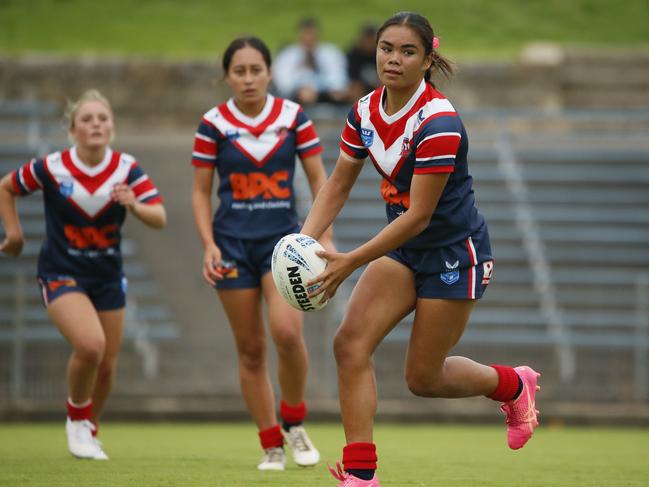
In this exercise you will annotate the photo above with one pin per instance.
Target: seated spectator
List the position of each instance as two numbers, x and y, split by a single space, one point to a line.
361 63
309 71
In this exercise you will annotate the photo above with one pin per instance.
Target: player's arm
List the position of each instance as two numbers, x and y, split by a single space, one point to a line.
152 214
13 242
317 177
425 191
332 195
202 209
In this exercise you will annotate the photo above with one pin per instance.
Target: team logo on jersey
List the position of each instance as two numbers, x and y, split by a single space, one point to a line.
367 137
420 116
405 147
452 274
232 134
66 188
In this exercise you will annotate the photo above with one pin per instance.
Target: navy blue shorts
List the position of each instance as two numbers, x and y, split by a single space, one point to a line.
251 260
459 271
104 295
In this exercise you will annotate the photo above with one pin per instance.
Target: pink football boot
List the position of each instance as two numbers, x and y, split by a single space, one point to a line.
348 480
521 412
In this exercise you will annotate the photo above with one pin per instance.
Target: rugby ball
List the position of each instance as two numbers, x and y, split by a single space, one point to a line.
294 264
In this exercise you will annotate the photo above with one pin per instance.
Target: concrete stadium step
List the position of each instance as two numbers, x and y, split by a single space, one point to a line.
572 254
614 196
505 318
555 213
163 330
505 230
35 315
504 295
9 267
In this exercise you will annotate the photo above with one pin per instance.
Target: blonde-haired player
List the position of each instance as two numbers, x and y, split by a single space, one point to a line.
88 190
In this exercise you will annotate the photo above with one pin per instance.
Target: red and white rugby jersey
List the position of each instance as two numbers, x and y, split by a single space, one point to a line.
255 160
426 136
83 224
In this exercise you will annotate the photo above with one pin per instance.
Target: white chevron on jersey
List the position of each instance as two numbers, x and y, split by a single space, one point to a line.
89 192
258 146
388 158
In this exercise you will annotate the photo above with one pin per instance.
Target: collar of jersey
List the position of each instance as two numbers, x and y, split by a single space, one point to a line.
389 119
252 121
90 170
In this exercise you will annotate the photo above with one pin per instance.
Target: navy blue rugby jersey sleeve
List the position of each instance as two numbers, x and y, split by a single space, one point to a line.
350 140
307 142
145 191
205 152
436 145
29 178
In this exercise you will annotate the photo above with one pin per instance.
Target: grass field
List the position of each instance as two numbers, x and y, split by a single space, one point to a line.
202 28
220 455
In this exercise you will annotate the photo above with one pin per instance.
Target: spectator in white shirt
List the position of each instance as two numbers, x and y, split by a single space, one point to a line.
309 71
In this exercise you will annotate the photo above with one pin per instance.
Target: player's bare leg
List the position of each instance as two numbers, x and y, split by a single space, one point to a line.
286 329
112 323
383 296
438 326
76 318
243 307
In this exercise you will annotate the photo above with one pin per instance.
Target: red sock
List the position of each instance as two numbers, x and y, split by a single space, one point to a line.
507 384
292 414
79 412
359 456
271 437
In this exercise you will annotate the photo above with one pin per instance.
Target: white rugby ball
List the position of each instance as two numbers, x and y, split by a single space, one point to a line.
294 264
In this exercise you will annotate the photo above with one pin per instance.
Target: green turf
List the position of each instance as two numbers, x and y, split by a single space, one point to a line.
215 455
201 28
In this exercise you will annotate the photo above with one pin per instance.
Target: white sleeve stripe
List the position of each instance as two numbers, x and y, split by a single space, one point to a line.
441 134
33 173
304 125
447 156
352 145
307 144
201 155
151 192
22 179
204 137
139 180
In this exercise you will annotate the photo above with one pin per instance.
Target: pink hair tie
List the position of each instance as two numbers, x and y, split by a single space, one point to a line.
435 42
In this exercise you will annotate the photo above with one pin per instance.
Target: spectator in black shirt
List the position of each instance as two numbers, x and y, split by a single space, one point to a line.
361 63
